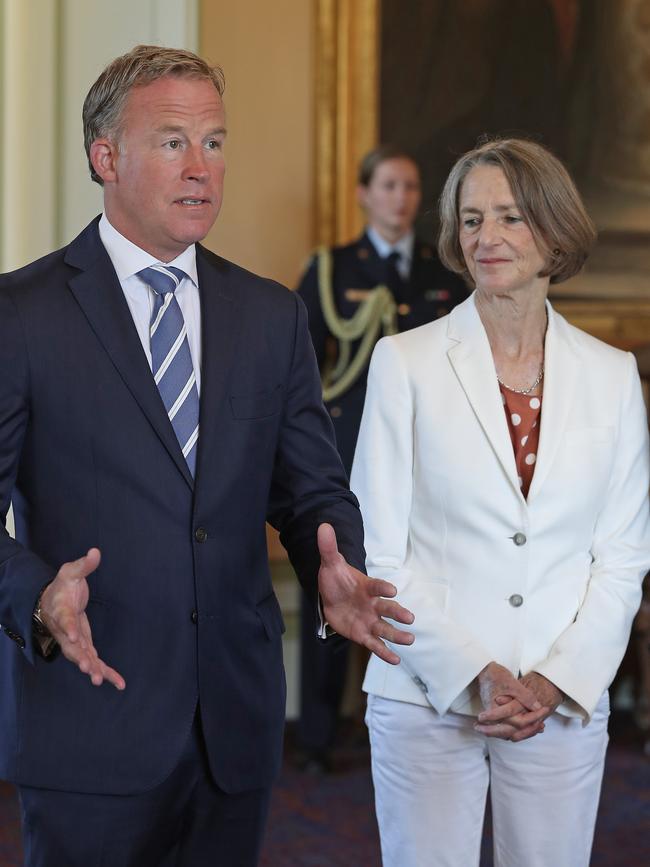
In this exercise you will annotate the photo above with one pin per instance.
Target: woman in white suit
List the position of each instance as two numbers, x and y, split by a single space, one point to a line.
502 469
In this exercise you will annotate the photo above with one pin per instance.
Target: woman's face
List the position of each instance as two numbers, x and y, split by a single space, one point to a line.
392 198
499 248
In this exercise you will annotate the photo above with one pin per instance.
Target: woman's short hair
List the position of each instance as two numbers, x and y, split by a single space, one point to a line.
104 104
545 195
374 158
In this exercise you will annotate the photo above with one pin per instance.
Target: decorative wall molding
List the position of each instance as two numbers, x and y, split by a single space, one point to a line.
50 53
346 83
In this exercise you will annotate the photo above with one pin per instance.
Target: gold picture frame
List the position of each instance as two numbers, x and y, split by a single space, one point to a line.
347 122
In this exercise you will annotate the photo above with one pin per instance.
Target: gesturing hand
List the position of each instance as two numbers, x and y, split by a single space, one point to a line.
355 605
512 709
63 609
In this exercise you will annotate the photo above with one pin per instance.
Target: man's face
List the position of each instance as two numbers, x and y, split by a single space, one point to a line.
163 180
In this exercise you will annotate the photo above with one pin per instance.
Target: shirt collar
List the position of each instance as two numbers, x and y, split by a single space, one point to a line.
404 246
128 259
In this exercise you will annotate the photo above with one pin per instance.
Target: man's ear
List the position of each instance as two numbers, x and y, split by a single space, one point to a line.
103 156
362 196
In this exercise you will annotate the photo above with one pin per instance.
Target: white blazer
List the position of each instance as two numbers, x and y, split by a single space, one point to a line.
549 584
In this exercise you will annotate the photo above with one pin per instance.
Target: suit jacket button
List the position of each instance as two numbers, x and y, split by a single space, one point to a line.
519 539
195 617
336 412
516 600
201 534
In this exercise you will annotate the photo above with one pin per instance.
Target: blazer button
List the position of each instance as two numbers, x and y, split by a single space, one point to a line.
519 539
201 534
195 617
516 600
336 412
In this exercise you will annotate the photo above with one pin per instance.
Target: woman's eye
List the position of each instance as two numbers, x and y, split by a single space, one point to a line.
470 222
513 218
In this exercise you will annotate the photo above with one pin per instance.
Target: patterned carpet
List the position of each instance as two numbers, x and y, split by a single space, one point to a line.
328 821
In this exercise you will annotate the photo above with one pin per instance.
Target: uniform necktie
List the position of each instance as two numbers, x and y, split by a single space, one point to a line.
171 362
393 277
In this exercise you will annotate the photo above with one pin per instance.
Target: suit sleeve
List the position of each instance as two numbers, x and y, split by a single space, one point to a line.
309 484
584 659
444 658
22 573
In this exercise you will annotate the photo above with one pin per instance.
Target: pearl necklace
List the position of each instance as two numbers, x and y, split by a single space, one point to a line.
524 390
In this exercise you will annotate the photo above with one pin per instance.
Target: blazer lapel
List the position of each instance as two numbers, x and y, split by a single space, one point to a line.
220 326
561 375
471 358
99 294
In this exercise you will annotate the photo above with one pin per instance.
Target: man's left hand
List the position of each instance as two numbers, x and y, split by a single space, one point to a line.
355 605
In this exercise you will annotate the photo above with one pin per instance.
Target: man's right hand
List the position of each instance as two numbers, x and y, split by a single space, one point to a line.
63 611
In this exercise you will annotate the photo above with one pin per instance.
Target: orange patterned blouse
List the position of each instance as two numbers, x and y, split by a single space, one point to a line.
523 413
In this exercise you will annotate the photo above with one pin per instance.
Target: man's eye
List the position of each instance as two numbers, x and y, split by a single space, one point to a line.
173 144
214 144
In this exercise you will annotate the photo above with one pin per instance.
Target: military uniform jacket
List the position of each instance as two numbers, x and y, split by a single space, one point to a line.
429 293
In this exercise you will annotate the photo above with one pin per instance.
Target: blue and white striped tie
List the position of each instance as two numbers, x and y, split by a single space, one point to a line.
171 361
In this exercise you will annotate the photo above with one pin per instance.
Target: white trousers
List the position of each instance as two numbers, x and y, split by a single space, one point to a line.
431 776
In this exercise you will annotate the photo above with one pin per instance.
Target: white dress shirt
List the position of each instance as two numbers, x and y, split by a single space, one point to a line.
127 260
404 247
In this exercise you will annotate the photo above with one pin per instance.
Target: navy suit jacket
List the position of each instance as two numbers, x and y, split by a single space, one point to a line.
182 603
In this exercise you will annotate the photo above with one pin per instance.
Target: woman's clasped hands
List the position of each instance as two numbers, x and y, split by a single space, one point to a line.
514 709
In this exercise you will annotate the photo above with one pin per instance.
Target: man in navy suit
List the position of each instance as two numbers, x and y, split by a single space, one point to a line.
157 405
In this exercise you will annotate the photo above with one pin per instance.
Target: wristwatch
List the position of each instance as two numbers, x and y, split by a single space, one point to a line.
46 645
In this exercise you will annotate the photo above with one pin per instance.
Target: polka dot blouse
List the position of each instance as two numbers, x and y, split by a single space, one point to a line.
523 413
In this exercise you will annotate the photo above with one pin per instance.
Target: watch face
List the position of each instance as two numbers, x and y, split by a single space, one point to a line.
46 645
38 626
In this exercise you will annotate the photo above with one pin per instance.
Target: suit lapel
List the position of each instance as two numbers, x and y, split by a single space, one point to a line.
99 294
561 374
220 325
471 358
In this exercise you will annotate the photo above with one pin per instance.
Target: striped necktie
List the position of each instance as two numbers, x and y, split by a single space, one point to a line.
171 361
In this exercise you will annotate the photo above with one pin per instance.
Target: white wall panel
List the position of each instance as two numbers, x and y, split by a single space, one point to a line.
28 31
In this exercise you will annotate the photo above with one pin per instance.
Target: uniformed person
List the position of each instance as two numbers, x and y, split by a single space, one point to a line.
385 281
